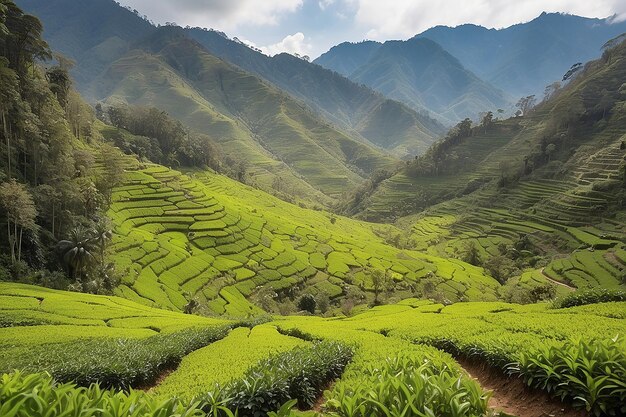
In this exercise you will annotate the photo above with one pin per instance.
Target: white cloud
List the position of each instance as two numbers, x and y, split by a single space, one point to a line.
404 18
325 3
292 44
221 14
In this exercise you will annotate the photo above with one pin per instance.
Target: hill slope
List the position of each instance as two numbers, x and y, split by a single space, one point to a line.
421 74
208 237
384 122
524 58
251 120
92 33
98 33
546 186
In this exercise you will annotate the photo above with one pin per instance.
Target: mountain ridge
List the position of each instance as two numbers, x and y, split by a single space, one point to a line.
421 74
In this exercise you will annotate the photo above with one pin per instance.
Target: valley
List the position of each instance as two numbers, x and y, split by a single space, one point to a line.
191 226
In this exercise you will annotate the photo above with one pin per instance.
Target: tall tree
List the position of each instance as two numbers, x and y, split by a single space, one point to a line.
20 214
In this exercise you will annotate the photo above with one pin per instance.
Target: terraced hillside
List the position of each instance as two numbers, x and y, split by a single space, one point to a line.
545 190
207 237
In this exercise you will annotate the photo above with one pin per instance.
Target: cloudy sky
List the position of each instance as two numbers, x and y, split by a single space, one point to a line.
311 27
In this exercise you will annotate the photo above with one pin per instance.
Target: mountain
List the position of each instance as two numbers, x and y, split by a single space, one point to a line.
97 33
542 194
421 74
524 58
93 33
251 120
347 57
385 123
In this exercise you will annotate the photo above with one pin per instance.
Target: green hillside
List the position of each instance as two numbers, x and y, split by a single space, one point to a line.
251 120
386 123
544 190
207 237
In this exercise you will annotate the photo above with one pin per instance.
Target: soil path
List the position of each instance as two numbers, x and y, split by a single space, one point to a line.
513 397
562 284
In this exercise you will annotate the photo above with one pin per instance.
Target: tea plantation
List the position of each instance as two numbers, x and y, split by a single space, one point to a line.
399 358
204 236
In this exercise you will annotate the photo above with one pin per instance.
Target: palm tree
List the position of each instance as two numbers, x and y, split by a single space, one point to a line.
76 253
102 234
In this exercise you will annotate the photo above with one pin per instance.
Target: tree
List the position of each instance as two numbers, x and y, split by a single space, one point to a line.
76 253
465 128
572 71
307 303
20 213
471 254
191 306
551 90
500 267
102 236
60 84
550 149
525 104
113 170
380 281
323 302
487 120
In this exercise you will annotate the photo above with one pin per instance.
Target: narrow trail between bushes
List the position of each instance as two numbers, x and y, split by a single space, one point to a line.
513 397
562 284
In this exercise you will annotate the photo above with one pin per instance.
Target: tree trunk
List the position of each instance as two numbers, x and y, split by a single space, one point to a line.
19 247
7 137
13 242
53 219
10 239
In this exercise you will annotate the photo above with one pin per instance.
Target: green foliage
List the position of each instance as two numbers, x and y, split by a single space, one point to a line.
591 374
224 361
300 374
173 141
114 362
38 395
307 303
590 296
411 387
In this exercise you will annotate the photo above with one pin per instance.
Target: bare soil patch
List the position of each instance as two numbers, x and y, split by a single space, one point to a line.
513 397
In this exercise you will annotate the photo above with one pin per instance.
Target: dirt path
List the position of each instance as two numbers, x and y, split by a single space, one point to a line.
562 284
513 397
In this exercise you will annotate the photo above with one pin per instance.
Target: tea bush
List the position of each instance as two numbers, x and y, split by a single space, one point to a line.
38 395
590 296
590 374
407 386
301 374
112 362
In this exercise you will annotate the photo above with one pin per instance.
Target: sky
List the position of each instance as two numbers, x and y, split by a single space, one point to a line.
311 27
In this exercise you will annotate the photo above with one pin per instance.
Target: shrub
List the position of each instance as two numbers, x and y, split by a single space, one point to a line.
590 296
590 374
38 395
300 374
307 303
410 387
118 363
